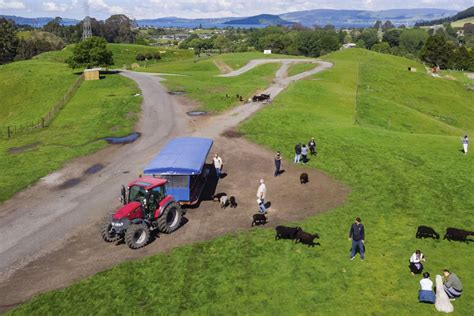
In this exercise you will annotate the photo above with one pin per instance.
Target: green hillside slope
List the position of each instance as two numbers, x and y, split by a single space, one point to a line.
401 176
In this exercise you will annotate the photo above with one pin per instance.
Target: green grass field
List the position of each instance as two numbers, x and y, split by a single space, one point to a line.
460 23
401 176
299 68
30 89
124 54
210 91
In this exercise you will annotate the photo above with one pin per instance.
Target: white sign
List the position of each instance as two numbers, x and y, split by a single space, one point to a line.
267 51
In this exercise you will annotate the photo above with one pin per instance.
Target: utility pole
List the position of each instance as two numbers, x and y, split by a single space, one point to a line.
86 24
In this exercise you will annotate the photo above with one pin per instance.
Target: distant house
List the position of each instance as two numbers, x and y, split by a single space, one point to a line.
349 45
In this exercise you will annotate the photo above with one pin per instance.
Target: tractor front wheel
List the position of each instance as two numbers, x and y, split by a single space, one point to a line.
137 236
107 234
170 219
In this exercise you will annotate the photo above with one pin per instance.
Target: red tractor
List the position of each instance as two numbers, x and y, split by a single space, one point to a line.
146 207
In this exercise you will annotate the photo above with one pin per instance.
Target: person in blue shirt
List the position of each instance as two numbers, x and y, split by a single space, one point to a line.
357 235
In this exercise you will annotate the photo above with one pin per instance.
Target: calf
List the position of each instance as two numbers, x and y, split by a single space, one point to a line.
426 232
233 202
259 219
283 232
306 238
224 201
304 178
457 234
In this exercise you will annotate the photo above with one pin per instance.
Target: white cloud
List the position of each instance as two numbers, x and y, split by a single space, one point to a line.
101 5
18 5
51 6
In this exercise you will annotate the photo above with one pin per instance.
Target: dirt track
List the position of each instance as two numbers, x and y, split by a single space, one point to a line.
40 260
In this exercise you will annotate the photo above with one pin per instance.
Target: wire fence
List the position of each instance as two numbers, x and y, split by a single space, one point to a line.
19 129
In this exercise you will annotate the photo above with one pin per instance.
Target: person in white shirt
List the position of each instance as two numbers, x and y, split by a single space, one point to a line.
218 165
426 294
416 260
261 194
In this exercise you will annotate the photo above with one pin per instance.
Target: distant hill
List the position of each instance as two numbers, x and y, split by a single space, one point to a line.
338 18
262 19
361 18
37 22
469 12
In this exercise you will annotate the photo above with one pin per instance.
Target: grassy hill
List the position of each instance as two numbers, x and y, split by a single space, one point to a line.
460 23
401 176
124 54
29 90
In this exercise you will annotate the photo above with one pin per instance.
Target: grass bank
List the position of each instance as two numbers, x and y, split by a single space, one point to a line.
99 108
401 177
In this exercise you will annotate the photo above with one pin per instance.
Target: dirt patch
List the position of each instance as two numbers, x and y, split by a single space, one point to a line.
29 147
244 164
69 183
232 134
222 66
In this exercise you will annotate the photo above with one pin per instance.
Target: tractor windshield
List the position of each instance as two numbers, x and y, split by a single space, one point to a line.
136 193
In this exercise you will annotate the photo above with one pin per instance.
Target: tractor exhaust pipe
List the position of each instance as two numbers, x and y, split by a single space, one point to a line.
123 195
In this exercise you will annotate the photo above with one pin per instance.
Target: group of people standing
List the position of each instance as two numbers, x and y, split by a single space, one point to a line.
301 151
301 154
452 285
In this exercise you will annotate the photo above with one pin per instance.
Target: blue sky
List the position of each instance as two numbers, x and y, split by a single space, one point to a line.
205 8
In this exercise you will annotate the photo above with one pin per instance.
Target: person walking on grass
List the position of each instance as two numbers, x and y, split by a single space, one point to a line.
312 146
357 235
304 154
452 285
297 153
277 164
261 194
218 165
465 143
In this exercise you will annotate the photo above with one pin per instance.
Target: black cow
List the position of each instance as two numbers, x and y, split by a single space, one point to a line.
283 232
259 219
457 234
306 238
304 178
233 202
426 232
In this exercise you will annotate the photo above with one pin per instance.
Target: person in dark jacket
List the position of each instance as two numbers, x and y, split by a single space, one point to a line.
357 235
312 146
277 163
297 153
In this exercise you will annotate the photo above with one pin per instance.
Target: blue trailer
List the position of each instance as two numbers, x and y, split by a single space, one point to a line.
182 162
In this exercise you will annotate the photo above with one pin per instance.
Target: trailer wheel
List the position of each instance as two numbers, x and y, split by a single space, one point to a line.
107 233
137 236
170 219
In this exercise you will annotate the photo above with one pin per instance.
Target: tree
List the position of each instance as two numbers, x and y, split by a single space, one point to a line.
222 43
387 25
392 37
91 53
413 39
383 47
436 51
8 41
377 25
118 29
370 37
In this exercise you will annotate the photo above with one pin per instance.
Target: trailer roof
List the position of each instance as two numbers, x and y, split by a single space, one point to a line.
181 156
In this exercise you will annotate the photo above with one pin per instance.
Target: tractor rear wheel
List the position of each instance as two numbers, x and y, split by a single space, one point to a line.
107 233
170 219
137 236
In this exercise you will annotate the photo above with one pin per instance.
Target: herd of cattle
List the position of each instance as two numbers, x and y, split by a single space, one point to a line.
451 233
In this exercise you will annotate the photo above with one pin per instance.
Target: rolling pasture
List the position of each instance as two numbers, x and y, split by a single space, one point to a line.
391 135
